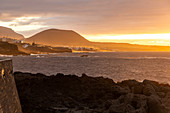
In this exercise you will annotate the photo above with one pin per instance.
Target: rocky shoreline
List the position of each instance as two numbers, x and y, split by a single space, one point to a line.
72 94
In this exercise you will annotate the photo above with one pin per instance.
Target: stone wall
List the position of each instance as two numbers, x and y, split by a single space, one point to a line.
9 100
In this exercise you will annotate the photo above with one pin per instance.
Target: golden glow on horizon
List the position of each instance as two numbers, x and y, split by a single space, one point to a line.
143 39
129 36
33 23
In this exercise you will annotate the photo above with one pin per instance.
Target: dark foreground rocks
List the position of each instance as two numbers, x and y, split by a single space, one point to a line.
72 94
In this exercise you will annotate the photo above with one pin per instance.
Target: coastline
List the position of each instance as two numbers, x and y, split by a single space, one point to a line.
69 94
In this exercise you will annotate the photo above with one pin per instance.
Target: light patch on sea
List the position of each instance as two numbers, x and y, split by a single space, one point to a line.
115 65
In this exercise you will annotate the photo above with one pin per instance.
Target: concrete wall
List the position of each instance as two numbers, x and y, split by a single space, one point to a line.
9 101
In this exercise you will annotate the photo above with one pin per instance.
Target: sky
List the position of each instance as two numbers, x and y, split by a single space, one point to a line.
97 20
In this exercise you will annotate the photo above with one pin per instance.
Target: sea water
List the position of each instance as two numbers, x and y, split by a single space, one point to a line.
115 65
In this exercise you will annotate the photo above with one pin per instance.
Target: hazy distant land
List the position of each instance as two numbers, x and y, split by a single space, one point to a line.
69 38
55 41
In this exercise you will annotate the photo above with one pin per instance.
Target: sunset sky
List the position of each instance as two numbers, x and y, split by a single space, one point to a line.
132 21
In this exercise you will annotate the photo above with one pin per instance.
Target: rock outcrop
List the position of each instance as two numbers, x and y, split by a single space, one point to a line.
9 49
72 94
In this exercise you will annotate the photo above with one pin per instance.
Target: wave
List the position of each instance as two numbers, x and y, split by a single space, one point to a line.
167 58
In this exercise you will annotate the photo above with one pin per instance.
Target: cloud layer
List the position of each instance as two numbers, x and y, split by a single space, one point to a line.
88 17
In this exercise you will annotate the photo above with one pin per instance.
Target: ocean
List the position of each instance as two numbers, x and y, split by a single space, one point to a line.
115 65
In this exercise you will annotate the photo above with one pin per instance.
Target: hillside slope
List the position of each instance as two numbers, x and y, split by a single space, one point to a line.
9 33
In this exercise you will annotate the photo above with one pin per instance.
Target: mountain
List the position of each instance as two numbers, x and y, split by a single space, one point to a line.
56 37
9 33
